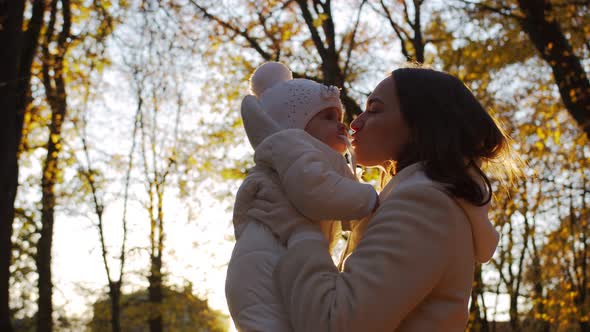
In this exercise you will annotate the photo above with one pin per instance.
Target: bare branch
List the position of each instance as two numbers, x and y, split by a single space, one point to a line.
418 41
572 2
309 77
136 124
351 43
398 30
244 33
262 19
315 36
328 26
407 15
433 41
501 10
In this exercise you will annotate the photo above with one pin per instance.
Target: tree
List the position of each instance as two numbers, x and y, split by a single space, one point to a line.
410 31
154 69
51 69
478 320
54 83
16 57
514 250
565 256
88 44
12 14
545 32
181 311
543 23
90 176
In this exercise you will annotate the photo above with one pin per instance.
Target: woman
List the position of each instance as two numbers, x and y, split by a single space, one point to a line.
412 269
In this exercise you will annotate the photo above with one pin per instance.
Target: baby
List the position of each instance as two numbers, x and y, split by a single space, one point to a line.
296 129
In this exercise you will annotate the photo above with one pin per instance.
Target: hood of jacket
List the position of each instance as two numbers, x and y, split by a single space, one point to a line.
485 236
257 123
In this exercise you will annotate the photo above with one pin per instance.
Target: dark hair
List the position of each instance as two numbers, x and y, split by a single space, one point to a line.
450 132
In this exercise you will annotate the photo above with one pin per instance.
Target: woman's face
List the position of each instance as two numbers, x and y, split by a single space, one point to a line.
380 132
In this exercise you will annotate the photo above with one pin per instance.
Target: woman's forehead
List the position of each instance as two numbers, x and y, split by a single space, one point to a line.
384 92
384 87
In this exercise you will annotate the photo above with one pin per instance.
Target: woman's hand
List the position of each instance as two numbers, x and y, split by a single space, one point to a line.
272 208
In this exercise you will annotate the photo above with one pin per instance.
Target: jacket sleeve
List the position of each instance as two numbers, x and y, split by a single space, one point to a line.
245 196
398 261
316 179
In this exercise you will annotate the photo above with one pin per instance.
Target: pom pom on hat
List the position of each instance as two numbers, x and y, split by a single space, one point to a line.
267 76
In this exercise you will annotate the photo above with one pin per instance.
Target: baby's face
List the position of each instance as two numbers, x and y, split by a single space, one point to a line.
327 126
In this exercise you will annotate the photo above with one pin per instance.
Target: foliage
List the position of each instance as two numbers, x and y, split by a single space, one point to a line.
181 311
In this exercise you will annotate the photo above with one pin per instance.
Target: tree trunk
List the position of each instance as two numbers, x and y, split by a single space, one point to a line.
418 40
16 57
155 294
11 16
45 305
54 84
156 244
568 72
48 202
513 311
542 325
477 322
29 50
155 290
115 295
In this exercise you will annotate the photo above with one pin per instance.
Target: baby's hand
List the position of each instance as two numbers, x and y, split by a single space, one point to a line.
272 208
244 198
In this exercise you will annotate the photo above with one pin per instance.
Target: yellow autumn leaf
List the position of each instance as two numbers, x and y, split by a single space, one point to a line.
557 136
319 20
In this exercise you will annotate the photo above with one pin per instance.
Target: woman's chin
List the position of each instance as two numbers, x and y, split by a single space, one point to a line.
367 162
362 161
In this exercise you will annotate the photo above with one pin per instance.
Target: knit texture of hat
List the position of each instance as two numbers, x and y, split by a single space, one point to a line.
291 103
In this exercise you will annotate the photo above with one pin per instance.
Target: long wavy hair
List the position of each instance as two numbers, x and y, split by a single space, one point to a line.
451 134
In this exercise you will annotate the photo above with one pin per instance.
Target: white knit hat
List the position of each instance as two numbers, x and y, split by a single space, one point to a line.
291 103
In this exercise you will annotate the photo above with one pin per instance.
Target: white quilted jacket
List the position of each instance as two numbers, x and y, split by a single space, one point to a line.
320 185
